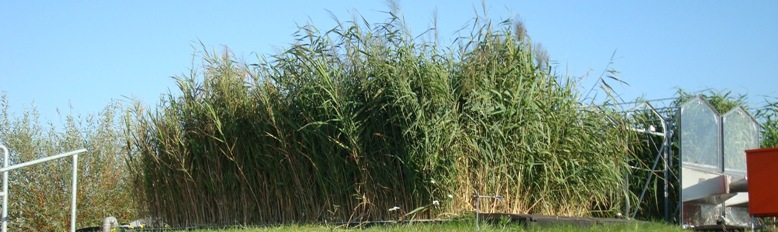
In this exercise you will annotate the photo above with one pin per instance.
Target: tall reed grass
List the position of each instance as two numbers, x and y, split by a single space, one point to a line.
362 118
768 116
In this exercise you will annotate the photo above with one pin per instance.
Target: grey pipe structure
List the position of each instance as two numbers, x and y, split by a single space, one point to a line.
7 167
477 198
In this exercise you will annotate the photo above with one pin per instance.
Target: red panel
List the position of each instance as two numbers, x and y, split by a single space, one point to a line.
762 166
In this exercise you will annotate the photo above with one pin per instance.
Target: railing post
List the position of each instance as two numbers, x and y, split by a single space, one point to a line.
74 182
5 188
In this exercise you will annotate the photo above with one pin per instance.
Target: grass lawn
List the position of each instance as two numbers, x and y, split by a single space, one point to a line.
466 226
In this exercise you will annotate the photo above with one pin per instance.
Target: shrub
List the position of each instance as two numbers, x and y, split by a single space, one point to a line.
39 198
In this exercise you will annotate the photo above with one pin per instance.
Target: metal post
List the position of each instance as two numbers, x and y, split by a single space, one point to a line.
477 206
679 138
666 158
74 182
5 188
649 178
753 223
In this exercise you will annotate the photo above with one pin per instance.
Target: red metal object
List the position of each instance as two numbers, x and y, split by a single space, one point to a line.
762 167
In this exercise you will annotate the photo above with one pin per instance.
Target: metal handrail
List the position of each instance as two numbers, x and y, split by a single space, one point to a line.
477 198
7 167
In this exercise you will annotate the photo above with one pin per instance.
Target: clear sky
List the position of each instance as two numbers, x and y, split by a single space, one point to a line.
77 56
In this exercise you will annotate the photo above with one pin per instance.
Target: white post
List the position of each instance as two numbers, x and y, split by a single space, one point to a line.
75 194
5 189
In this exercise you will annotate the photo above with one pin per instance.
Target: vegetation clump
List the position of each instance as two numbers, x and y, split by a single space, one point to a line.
352 122
40 195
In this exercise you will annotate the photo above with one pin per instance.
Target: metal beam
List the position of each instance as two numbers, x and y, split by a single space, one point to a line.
41 160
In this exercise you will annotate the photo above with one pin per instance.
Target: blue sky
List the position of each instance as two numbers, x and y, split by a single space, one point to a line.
78 56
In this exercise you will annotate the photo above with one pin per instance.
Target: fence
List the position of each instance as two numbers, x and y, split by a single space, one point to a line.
7 167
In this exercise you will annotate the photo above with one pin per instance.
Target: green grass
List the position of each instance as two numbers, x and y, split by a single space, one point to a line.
466 226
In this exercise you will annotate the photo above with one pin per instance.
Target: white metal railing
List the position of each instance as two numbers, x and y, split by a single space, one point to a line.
7 167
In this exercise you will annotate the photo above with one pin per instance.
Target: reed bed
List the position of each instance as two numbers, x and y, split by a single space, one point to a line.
368 122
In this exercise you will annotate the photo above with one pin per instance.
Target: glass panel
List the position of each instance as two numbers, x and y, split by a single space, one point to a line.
700 135
738 216
706 214
741 133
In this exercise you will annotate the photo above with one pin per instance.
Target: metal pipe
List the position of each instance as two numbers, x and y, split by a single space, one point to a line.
669 132
647 132
666 186
477 206
648 179
679 127
34 162
666 157
5 188
74 182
